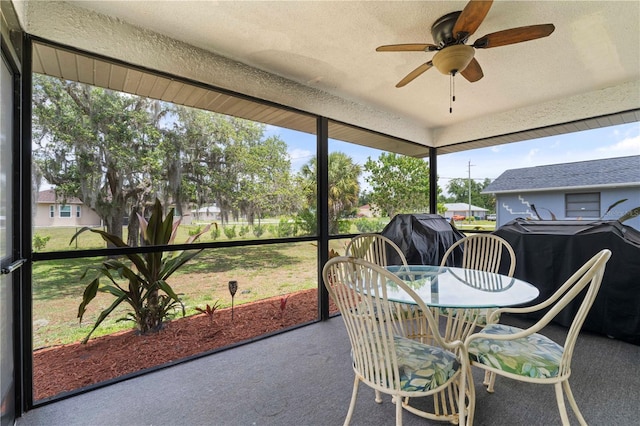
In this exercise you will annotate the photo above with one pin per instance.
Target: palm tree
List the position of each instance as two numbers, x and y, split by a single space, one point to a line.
343 186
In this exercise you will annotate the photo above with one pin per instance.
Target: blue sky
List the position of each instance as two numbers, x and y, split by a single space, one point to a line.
606 142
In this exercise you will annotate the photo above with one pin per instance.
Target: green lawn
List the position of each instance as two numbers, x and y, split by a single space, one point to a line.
477 225
261 271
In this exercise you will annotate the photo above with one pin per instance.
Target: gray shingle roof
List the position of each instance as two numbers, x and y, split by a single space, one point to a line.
593 173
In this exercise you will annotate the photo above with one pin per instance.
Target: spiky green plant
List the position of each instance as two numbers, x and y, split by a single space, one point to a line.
148 294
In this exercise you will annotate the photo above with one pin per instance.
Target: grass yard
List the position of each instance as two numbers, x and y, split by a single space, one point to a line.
59 238
261 271
477 225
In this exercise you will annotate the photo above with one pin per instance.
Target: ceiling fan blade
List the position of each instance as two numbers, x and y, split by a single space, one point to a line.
415 73
514 35
471 17
411 47
473 71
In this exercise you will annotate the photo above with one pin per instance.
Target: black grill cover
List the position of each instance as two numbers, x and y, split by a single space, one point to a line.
423 238
549 252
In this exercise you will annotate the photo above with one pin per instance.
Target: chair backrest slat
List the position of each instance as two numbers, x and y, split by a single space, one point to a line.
375 248
483 252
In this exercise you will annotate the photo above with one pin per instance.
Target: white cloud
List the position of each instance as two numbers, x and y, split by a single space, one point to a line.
299 157
531 155
627 146
298 154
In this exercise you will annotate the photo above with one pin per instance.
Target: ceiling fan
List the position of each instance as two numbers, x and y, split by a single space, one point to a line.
452 31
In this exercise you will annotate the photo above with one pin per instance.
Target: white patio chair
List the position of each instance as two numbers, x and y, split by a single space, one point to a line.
374 248
530 357
383 358
483 252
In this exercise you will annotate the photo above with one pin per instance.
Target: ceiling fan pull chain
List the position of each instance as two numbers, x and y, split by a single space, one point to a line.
452 91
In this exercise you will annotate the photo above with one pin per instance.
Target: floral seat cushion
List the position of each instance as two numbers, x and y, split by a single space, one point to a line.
423 367
535 356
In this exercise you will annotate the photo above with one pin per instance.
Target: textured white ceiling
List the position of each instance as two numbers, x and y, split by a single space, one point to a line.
320 56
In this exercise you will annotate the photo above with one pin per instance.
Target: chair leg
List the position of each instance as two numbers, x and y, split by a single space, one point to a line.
561 406
378 397
462 391
487 375
572 402
472 399
352 404
398 401
489 380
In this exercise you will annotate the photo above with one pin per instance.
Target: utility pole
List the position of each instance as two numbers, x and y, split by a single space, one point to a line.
469 216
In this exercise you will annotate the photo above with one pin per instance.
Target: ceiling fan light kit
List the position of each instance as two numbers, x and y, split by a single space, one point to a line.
452 31
453 59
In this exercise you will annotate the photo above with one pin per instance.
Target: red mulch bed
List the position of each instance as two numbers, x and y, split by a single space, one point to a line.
65 368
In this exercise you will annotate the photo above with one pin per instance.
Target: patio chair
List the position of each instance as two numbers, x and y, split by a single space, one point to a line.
375 248
483 252
530 357
383 358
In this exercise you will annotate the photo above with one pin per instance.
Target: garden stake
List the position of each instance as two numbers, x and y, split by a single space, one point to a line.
233 287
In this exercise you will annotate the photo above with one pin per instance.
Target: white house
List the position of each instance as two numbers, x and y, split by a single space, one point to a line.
462 209
58 211
206 213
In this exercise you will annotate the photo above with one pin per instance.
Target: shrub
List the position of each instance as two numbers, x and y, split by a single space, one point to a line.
230 232
344 226
286 228
39 242
306 222
195 231
215 233
258 230
366 225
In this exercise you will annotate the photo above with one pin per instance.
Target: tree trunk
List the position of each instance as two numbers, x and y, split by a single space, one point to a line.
134 227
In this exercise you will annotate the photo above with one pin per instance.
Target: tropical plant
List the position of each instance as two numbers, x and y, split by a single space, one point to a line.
283 305
148 294
343 187
210 310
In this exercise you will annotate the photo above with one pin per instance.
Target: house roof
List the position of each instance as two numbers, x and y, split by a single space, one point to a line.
48 196
463 207
610 172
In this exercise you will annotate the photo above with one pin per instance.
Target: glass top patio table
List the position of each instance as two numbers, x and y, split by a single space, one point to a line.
451 287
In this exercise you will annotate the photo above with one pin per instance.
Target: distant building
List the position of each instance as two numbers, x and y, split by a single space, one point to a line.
365 211
58 211
582 190
462 209
206 213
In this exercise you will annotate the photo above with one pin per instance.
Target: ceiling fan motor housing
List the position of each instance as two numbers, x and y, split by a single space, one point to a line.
442 30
